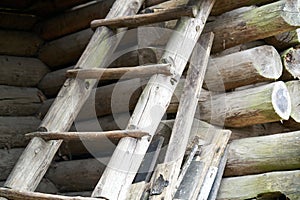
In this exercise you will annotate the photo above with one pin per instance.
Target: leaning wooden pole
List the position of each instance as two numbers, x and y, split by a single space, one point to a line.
116 181
258 23
35 160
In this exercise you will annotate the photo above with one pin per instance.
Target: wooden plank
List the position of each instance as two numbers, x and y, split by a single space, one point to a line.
20 101
19 43
117 135
266 103
123 72
287 182
115 182
21 195
247 157
185 114
21 71
255 24
73 20
259 64
146 19
285 40
38 155
291 63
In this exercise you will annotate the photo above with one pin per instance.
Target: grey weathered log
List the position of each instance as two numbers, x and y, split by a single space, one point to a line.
33 164
20 101
13 130
146 19
220 7
65 50
19 43
151 107
263 104
258 23
184 117
248 187
16 21
263 154
285 40
294 88
21 71
291 63
73 20
259 64
121 73
116 135
8 158
21 195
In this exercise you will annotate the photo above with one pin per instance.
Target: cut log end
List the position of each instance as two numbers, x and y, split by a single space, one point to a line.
291 62
293 88
281 100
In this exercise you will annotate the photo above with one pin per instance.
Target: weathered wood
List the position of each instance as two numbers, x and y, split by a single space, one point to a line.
21 71
266 103
148 18
291 63
260 64
294 88
73 20
65 50
258 23
137 191
285 40
185 114
19 43
118 73
35 161
248 187
116 181
13 130
19 101
21 195
17 21
8 158
153 2
263 154
116 135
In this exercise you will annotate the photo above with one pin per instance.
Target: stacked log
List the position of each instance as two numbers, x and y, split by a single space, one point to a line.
291 63
285 40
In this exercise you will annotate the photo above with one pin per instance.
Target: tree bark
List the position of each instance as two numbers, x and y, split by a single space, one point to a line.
286 182
21 71
19 43
259 64
285 40
263 104
291 63
258 23
294 88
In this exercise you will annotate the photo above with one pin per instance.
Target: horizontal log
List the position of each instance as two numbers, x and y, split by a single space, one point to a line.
294 88
259 64
65 50
13 130
249 187
263 104
16 4
285 40
146 19
17 21
115 135
122 72
73 20
263 154
255 24
20 101
8 159
19 43
291 63
21 195
21 71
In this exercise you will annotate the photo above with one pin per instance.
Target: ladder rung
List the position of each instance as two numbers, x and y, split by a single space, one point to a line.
21 195
116 135
148 18
117 73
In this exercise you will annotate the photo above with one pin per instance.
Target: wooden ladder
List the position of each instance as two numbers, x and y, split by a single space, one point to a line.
114 184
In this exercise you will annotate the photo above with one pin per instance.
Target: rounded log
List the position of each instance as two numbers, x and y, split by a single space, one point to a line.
285 40
294 89
260 64
291 63
263 104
